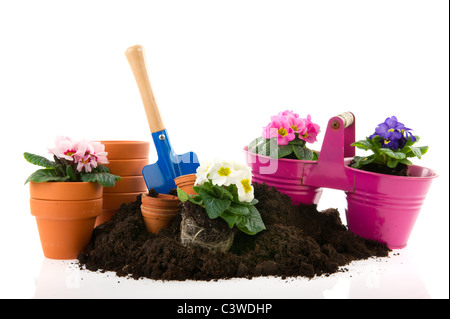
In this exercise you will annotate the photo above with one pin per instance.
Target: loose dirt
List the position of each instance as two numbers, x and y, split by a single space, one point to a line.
298 241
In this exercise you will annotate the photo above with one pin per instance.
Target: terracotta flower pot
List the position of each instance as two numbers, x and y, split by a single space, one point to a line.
127 167
65 215
186 182
126 149
159 212
128 184
126 159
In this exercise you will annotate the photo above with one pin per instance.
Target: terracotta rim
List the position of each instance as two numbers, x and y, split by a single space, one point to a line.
66 191
126 149
164 201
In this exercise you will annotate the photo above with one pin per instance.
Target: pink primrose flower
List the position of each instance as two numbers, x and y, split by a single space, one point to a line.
311 132
89 154
281 128
64 148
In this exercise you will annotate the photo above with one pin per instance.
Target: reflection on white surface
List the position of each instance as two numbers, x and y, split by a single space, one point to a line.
391 277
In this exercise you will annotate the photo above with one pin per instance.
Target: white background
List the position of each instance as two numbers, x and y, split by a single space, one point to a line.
219 70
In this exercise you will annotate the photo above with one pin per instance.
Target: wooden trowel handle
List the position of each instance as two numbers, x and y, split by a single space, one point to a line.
136 58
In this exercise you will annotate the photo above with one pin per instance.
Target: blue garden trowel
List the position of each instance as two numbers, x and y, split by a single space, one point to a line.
169 165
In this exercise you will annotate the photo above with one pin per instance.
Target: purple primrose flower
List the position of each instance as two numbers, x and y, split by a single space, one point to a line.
394 134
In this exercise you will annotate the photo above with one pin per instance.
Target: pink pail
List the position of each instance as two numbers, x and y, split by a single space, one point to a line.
384 207
285 175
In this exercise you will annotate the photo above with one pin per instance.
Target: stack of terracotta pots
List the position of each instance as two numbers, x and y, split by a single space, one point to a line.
126 159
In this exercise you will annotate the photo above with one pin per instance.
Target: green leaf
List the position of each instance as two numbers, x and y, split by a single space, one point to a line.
309 155
256 142
263 148
251 224
182 195
252 203
229 218
238 209
398 155
222 193
284 150
38 160
375 141
299 151
101 169
234 192
46 175
197 200
298 141
392 162
70 172
423 149
105 179
360 161
315 156
363 144
214 206
405 161
415 151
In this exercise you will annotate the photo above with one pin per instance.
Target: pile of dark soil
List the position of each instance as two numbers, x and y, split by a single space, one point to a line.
298 241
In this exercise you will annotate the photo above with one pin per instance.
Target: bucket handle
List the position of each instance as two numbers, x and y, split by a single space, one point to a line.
329 170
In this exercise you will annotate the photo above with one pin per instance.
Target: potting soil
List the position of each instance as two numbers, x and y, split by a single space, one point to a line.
298 241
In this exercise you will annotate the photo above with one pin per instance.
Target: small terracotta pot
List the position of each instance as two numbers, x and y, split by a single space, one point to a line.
115 200
65 215
126 149
186 182
128 184
127 167
159 212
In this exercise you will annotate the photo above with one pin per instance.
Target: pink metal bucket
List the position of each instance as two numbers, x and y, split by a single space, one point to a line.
286 175
385 207
379 207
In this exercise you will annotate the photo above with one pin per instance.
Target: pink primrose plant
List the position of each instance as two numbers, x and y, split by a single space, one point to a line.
73 161
291 133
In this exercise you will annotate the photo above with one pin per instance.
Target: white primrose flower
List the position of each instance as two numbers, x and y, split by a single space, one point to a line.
222 173
244 185
203 172
226 173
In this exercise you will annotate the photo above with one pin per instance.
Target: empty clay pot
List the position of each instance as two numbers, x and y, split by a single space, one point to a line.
65 215
126 149
126 159
186 182
159 212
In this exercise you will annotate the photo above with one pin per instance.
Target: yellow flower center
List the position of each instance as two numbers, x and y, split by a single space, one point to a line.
386 141
224 171
294 127
282 131
246 185
391 130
